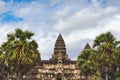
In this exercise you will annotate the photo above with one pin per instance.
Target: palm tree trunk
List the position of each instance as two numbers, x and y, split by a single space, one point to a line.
90 78
86 77
106 76
80 76
8 75
19 76
28 75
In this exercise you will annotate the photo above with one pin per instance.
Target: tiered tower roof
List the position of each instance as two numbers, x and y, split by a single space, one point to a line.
87 46
60 49
60 45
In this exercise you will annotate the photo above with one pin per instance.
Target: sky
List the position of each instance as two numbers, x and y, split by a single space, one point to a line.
79 22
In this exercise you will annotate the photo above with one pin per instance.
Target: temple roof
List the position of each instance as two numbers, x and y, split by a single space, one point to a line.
60 48
60 38
60 45
87 46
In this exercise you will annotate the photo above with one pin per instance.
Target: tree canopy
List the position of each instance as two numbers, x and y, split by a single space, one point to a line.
20 52
106 50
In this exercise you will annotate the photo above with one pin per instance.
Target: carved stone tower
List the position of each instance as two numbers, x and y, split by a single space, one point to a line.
87 46
60 50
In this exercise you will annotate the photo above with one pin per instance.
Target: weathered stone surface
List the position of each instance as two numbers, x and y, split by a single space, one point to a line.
59 67
87 46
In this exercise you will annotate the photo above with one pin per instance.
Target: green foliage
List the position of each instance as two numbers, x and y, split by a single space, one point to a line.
107 48
20 51
85 62
105 58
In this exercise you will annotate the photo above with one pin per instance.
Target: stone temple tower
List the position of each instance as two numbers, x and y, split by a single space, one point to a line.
87 46
60 50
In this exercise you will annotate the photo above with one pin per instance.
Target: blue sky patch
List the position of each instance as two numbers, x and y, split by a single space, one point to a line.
28 1
44 1
101 1
9 17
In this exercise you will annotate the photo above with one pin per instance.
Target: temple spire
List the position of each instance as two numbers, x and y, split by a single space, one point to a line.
60 48
87 46
60 45
60 38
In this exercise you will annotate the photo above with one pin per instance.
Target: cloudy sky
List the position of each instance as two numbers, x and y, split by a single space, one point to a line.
79 21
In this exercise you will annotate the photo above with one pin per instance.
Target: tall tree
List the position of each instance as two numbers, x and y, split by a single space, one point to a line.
106 47
21 52
85 61
103 59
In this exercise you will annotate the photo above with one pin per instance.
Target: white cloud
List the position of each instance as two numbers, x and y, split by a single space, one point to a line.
62 13
46 43
28 10
4 30
85 18
3 7
111 24
110 10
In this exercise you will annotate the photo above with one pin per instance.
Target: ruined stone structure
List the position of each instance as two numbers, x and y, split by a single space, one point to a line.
59 67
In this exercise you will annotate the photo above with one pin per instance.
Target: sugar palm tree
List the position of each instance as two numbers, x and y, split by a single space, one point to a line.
117 61
21 52
105 45
85 62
